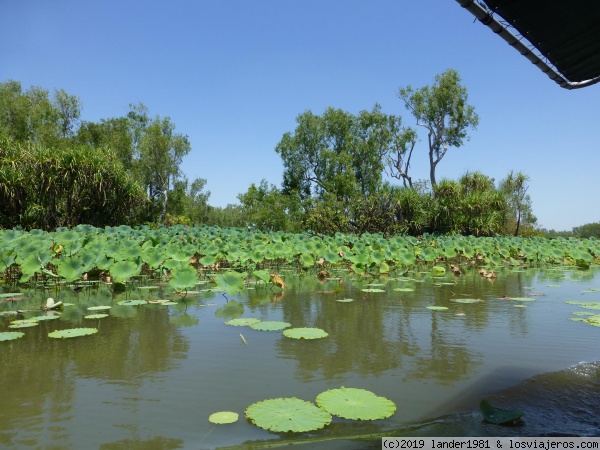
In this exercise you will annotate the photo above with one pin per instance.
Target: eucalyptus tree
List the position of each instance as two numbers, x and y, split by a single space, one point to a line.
443 111
337 153
515 187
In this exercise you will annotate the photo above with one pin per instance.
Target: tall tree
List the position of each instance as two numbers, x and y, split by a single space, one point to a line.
337 153
441 109
515 187
68 109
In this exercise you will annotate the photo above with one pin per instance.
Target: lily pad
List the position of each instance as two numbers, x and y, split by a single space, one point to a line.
72 332
48 317
345 300
373 290
497 415
357 404
242 321
593 320
305 333
24 324
270 325
437 308
585 305
466 300
10 335
95 316
522 299
132 302
287 414
223 417
404 289
520 306
98 308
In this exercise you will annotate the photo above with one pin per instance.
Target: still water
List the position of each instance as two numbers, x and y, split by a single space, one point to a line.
153 374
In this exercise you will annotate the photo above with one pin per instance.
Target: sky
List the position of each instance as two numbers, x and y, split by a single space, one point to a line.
233 75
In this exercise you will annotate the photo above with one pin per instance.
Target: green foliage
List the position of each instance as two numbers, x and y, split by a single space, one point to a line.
515 187
588 230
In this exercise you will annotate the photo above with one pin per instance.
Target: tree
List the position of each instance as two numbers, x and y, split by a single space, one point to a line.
443 111
338 154
588 230
68 109
515 187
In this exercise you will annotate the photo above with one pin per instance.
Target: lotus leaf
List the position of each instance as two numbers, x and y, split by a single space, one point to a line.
23 324
357 404
10 335
223 417
576 313
345 300
585 305
230 282
242 321
72 332
98 308
262 275
497 415
184 278
438 269
132 302
404 289
437 308
124 270
305 333
466 300
10 294
47 317
522 299
270 325
95 316
373 290
287 414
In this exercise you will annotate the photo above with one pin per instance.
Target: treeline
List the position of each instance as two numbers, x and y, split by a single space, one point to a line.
58 170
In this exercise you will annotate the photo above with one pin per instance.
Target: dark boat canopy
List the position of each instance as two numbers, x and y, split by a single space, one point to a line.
561 37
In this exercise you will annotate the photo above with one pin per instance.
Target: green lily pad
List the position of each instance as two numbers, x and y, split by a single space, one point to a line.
48 317
576 313
345 300
593 320
270 325
132 302
305 333
23 324
10 294
223 417
10 335
242 321
357 404
466 300
520 306
404 289
95 316
522 299
437 308
373 290
98 308
72 332
287 414
497 415
585 305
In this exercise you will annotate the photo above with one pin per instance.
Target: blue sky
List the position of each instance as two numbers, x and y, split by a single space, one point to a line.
233 75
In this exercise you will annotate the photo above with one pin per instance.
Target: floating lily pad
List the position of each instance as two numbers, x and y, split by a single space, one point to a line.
223 417
132 302
576 313
287 414
242 321
373 290
305 333
522 299
437 308
10 335
585 305
466 300
72 332
593 320
497 415
95 316
520 306
345 300
404 289
553 285
357 404
10 294
98 308
48 317
270 325
24 324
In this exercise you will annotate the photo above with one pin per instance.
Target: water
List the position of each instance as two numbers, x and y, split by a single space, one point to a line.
153 374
